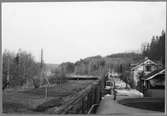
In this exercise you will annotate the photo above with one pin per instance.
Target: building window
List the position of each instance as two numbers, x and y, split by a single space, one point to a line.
148 68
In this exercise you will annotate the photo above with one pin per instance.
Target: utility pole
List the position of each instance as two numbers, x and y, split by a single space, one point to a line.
8 77
41 59
42 71
18 64
43 75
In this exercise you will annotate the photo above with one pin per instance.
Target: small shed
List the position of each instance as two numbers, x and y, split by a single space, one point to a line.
154 84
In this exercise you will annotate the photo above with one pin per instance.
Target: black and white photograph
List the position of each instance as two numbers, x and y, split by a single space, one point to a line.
85 57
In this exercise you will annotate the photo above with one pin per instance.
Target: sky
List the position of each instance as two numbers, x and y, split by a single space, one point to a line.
69 31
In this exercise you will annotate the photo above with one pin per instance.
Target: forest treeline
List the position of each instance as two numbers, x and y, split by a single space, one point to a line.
98 65
21 67
155 49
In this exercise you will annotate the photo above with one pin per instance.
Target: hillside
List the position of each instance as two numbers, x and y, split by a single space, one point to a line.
98 65
51 66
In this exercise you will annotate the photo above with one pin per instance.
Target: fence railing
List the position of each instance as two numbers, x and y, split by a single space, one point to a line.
85 101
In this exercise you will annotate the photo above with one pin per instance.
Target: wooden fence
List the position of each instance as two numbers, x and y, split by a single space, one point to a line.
82 103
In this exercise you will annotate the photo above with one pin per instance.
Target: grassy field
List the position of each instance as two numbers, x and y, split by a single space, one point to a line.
34 100
154 104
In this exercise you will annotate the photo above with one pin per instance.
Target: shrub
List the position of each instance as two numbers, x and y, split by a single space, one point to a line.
59 77
36 82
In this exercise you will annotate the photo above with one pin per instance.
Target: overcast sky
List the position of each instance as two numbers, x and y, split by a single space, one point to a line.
69 31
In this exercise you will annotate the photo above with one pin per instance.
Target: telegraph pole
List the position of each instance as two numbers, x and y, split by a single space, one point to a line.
43 75
42 71
41 58
18 63
8 77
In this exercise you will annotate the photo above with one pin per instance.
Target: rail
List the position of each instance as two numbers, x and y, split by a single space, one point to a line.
93 109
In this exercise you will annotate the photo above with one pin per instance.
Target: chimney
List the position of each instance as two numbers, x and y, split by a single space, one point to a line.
146 58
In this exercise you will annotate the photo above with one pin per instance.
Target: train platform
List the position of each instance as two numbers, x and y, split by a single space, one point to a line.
110 106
